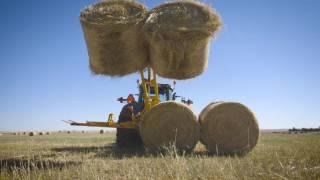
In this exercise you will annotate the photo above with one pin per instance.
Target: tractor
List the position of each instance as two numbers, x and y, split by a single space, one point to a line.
150 94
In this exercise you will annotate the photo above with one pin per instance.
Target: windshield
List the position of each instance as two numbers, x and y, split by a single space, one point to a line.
165 93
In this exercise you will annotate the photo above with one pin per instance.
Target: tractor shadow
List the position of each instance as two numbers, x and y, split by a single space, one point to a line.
113 151
109 151
12 164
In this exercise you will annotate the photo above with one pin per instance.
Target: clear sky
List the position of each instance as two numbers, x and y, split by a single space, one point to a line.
267 56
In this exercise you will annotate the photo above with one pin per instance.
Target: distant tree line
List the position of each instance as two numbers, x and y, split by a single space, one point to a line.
303 130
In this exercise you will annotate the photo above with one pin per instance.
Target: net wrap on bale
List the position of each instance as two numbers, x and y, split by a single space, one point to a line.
178 34
228 128
170 123
114 41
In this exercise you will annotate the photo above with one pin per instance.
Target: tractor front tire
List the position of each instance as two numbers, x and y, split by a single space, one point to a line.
127 138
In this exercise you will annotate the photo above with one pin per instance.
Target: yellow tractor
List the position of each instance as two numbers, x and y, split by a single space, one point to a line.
150 94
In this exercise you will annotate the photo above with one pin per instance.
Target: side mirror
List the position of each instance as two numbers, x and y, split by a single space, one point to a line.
174 96
121 99
189 102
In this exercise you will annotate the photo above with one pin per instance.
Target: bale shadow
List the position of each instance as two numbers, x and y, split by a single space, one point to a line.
120 153
78 149
34 164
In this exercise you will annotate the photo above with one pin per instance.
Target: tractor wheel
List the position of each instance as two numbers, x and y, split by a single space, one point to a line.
127 138
170 123
228 128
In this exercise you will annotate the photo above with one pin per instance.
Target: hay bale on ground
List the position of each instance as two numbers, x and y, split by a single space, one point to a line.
113 37
101 131
170 123
179 36
228 128
68 132
32 133
48 133
82 132
41 133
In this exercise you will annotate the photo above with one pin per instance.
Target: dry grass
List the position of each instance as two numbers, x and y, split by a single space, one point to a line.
92 156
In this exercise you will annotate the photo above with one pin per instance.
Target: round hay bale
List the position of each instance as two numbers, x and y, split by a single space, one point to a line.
101 131
228 128
114 40
41 133
32 133
24 133
82 132
178 34
170 123
48 133
69 132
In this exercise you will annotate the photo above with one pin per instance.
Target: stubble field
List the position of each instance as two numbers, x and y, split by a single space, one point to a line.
94 156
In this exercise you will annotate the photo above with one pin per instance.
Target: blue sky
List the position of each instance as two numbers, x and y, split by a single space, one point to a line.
267 56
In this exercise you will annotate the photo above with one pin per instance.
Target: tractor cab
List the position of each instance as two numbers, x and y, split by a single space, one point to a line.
165 92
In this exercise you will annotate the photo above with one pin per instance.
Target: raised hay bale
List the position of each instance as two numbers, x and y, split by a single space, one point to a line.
170 123
228 128
113 37
179 38
32 133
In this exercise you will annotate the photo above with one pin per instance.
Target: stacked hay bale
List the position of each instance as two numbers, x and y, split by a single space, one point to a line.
170 123
179 35
228 128
114 41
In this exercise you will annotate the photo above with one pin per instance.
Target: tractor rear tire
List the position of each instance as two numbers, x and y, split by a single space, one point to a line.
170 124
127 138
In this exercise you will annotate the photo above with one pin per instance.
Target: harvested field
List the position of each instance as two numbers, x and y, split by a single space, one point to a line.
93 156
